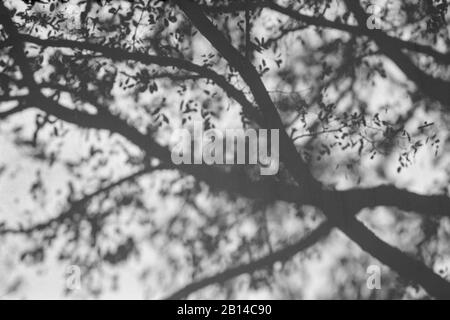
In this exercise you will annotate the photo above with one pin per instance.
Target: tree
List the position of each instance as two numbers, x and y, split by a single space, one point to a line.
93 91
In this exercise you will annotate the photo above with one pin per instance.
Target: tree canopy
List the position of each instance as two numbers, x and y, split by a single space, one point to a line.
91 93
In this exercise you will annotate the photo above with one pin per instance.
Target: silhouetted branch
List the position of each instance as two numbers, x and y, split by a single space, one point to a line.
281 255
331 204
433 87
17 109
5 44
325 23
405 265
239 184
121 55
168 75
20 107
283 33
75 205
391 196
272 120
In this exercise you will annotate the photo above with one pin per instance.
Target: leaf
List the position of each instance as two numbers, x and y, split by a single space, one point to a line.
172 18
154 113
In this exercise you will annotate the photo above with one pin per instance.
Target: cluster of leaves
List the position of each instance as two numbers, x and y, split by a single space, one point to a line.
436 11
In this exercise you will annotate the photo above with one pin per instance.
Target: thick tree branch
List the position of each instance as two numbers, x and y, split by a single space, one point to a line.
405 265
233 182
435 88
117 54
272 120
325 23
390 196
5 44
218 179
19 108
10 112
392 47
240 184
331 203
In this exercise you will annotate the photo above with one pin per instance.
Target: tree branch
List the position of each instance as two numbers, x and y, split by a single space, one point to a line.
390 196
6 114
281 255
331 203
272 119
77 204
122 55
433 87
405 265
325 23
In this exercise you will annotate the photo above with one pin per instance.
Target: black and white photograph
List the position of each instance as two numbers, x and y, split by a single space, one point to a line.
235 150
